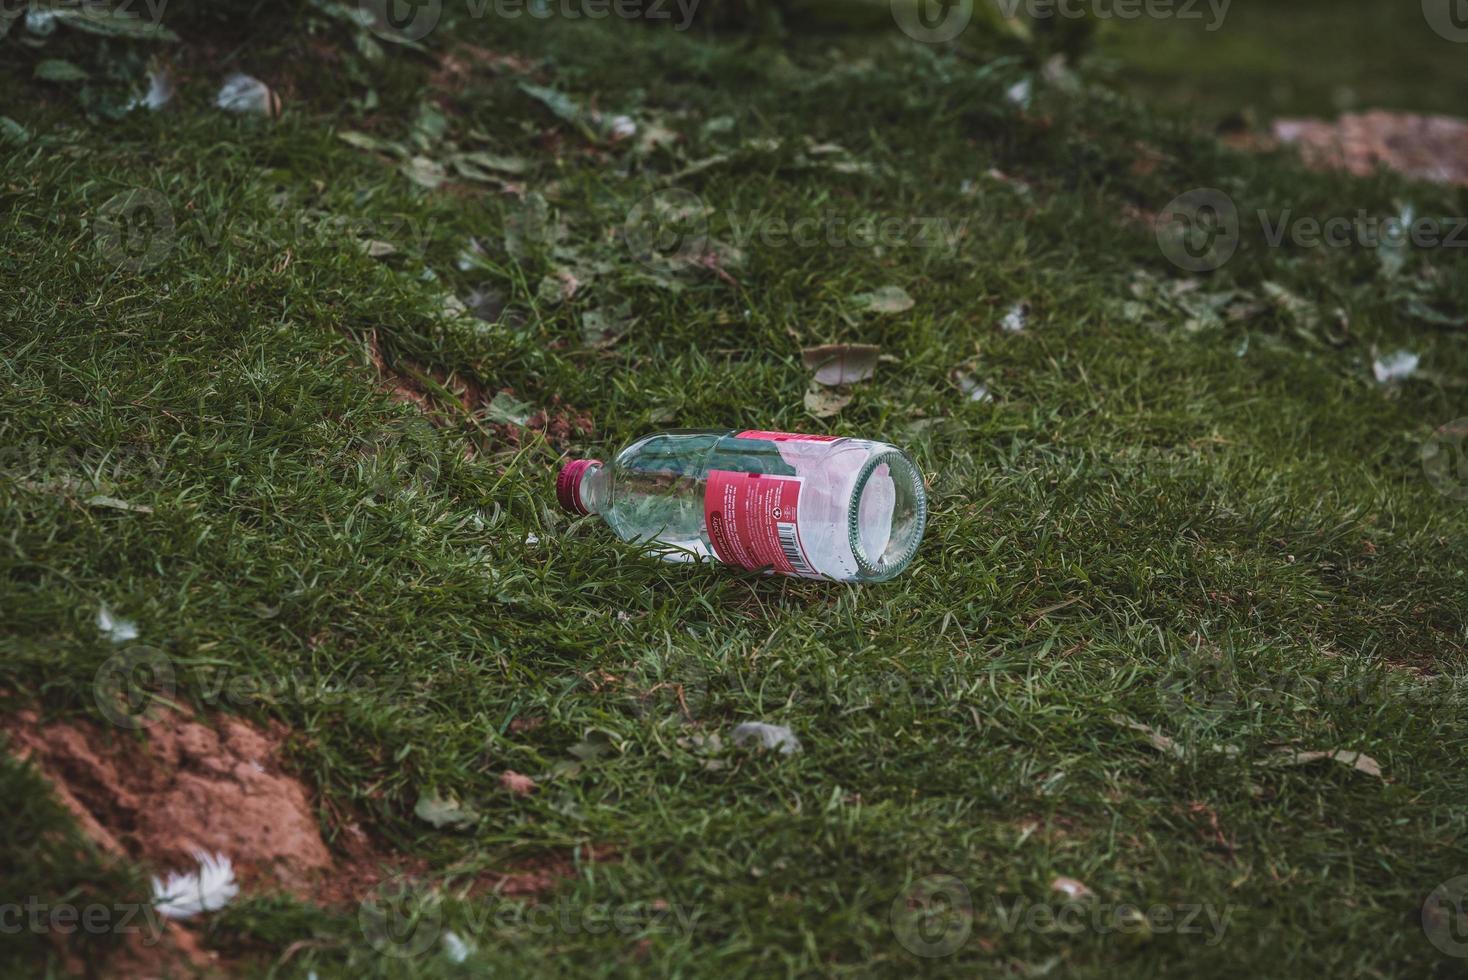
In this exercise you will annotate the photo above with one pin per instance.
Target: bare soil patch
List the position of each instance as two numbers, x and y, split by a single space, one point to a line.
1432 148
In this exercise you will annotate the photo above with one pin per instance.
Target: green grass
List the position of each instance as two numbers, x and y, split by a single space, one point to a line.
1140 511
1302 58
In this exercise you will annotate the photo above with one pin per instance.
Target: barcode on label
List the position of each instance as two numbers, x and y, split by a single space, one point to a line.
790 545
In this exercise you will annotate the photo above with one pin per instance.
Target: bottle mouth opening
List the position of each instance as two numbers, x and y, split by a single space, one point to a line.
888 514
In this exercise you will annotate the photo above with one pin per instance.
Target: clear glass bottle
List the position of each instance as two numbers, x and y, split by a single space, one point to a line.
812 506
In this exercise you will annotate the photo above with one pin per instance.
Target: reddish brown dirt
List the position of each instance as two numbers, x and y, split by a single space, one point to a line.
184 786
404 383
1433 148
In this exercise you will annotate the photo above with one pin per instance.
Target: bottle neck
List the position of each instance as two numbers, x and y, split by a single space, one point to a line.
581 486
594 488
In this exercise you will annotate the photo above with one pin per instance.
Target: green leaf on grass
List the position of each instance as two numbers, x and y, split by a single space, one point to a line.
364 141
559 103
444 812
13 133
888 299
508 410
424 172
59 70
108 22
468 163
1433 317
605 326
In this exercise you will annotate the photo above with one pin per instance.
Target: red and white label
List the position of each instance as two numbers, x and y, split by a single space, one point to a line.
751 519
783 436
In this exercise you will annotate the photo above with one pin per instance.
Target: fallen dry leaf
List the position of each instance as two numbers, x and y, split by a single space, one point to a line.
840 364
1359 761
1156 739
517 783
101 500
824 402
1071 888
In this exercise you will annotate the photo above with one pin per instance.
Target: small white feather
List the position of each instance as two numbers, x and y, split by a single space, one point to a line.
118 629
455 948
185 895
774 737
1395 366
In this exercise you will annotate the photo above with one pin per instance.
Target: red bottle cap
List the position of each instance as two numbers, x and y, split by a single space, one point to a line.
568 485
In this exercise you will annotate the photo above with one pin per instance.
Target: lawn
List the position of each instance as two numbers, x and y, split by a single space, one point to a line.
1186 635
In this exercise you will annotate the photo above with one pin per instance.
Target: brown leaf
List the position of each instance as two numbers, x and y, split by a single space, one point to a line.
841 364
517 783
824 402
1359 761
1071 888
1159 741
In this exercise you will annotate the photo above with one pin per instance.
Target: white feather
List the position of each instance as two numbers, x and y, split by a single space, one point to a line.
185 895
1395 366
120 630
455 948
776 737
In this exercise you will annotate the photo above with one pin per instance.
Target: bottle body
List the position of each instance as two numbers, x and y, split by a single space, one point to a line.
811 506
